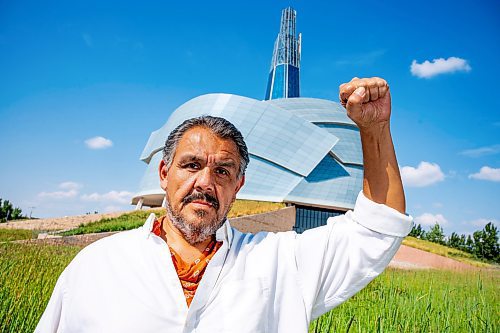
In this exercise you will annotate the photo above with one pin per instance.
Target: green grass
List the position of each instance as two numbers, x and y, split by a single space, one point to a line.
420 301
444 251
397 301
136 219
7 235
126 221
28 273
250 207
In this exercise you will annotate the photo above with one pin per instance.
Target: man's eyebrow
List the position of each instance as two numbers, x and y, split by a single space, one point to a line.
190 158
227 164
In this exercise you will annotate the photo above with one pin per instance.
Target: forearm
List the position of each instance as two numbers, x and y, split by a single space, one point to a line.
382 180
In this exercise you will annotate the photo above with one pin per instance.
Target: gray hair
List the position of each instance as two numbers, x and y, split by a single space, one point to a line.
219 126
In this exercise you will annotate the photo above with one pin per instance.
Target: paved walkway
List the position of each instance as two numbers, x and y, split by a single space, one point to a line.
411 258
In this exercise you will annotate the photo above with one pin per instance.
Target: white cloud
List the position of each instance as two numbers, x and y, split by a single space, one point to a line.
482 222
482 151
69 190
487 173
431 219
119 197
98 142
429 69
87 39
114 208
70 186
424 175
58 194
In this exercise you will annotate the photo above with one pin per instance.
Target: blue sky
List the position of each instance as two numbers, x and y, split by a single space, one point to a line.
71 72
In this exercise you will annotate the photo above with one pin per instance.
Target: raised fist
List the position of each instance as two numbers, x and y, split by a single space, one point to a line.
367 101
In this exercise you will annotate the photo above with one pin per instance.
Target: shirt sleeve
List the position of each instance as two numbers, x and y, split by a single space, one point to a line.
51 317
337 260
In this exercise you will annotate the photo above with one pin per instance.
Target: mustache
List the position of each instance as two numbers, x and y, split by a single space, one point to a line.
201 196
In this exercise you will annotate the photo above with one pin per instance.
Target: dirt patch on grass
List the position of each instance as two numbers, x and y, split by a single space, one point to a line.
59 223
410 258
77 240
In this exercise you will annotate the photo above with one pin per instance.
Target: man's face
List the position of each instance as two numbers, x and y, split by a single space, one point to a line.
201 184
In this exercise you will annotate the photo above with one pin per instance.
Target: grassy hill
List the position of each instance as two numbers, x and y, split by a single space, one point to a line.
444 251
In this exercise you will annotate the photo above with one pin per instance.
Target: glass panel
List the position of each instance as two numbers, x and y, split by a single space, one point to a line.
348 149
312 217
269 83
330 184
279 82
293 81
267 181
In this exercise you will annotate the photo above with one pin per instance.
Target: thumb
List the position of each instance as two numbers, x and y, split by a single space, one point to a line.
355 101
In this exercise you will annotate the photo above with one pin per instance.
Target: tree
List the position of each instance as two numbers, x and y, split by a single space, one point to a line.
469 244
491 246
417 231
454 241
436 234
483 244
463 243
486 243
8 212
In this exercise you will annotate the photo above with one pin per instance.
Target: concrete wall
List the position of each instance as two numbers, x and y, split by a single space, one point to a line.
279 220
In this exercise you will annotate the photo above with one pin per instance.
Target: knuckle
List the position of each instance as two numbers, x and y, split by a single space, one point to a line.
355 99
382 83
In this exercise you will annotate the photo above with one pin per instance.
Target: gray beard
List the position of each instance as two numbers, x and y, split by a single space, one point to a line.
194 233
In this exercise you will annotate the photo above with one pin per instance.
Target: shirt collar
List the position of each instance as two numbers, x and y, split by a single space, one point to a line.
224 233
147 227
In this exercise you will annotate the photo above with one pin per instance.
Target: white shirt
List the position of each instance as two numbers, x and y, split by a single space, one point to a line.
267 282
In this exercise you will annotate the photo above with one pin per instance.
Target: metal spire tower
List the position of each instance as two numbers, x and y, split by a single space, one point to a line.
283 79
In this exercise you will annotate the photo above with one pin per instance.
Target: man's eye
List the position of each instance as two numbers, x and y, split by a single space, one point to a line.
222 171
192 166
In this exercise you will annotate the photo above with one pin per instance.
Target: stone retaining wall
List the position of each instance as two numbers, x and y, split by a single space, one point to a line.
275 221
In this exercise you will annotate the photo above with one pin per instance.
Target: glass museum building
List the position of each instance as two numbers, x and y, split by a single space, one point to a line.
304 152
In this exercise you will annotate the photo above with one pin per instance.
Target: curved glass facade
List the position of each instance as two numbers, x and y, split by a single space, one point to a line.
302 150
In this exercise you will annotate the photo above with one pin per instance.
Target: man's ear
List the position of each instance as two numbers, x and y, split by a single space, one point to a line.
163 171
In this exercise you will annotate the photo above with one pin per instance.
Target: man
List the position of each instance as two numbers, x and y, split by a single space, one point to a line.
191 272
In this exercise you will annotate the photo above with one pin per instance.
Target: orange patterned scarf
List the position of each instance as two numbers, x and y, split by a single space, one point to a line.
189 273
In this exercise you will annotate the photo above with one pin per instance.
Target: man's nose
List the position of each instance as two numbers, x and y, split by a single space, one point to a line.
205 180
